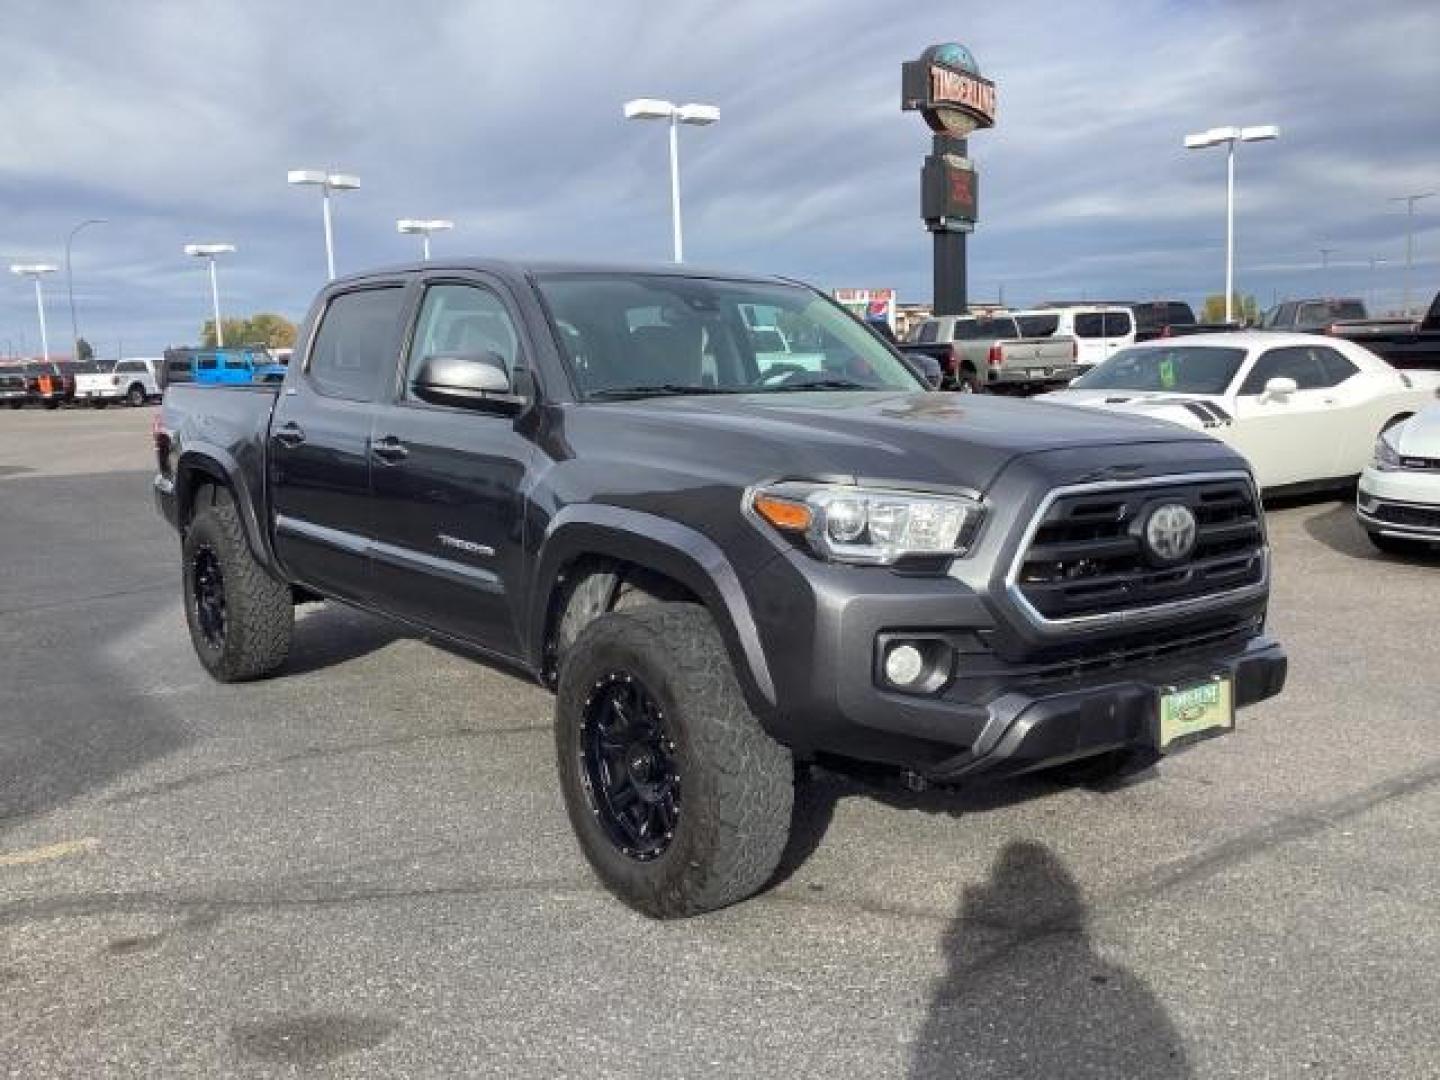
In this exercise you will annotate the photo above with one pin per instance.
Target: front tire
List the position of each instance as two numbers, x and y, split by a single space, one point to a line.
240 617
136 396
680 801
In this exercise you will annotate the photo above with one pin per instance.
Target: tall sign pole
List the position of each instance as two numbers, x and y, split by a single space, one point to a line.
945 86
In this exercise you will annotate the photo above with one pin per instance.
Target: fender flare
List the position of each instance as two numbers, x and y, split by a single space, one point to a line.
669 548
196 466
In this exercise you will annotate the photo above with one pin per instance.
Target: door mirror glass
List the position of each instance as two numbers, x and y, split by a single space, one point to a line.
926 366
467 380
1280 389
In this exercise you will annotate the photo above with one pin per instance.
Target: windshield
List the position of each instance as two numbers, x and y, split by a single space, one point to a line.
1183 369
640 334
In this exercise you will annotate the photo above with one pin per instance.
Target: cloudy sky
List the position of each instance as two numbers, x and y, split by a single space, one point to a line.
177 122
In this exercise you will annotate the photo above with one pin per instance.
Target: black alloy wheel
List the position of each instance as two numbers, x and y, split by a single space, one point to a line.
628 766
208 588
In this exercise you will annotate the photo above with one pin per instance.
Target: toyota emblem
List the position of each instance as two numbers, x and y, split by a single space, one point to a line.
1170 532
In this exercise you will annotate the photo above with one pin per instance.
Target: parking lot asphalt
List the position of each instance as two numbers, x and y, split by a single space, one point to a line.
362 867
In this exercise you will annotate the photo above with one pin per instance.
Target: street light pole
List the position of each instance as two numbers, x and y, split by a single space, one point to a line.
326 182
70 279
1325 254
698 115
1229 136
35 271
1410 201
1375 260
209 252
423 228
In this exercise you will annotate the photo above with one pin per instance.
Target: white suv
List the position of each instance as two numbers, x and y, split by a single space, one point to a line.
1098 329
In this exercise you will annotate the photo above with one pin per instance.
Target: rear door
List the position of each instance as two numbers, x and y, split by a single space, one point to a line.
448 502
319 446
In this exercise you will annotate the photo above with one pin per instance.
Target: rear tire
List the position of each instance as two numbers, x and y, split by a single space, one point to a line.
968 383
682 754
99 403
240 617
16 404
136 396
51 403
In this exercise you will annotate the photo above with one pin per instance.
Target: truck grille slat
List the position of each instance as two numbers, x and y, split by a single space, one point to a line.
1087 558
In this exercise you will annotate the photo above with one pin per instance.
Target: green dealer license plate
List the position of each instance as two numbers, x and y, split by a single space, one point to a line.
1208 708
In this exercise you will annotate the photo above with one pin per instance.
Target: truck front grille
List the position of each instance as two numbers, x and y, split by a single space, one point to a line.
1086 558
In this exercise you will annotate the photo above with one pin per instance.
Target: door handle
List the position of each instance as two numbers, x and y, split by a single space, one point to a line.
291 434
390 450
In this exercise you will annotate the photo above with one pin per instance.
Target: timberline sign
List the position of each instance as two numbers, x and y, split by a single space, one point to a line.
945 86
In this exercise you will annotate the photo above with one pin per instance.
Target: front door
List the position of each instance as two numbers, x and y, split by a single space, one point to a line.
1292 439
448 482
319 442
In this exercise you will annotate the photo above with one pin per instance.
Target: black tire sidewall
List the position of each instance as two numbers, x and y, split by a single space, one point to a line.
655 886
204 532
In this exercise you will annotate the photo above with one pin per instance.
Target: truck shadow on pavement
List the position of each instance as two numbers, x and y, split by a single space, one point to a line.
1026 995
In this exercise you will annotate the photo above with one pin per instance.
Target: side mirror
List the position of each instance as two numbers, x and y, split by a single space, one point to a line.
1280 389
926 366
466 380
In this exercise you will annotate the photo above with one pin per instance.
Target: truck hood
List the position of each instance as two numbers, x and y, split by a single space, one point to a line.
932 438
1195 411
1420 435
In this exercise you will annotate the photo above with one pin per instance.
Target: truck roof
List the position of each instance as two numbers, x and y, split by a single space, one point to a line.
520 267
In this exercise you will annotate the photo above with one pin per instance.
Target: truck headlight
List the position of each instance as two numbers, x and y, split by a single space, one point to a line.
1387 458
875 526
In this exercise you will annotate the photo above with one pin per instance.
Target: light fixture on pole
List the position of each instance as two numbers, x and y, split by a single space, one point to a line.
423 228
36 271
208 252
1229 136
1410 201
70 279
326 182
697 115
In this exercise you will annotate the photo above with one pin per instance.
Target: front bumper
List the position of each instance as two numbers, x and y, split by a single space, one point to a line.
1401 503
1024 732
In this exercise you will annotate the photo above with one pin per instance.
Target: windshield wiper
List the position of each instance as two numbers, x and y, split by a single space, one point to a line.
823 384
656 390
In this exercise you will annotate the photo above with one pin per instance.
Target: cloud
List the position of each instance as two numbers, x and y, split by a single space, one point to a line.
178 122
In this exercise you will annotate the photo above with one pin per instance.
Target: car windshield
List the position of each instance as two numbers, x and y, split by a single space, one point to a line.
1184 369
635 335
1323 313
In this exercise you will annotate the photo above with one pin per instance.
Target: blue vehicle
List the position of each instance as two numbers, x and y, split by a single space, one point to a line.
239 365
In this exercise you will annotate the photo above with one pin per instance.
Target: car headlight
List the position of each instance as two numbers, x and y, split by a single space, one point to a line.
1387 458
875 526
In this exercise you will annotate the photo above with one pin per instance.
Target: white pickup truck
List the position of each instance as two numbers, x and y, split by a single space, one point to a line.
132 381
998 353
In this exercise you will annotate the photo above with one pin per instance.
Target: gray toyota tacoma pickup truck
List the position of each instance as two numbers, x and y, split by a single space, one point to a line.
722 570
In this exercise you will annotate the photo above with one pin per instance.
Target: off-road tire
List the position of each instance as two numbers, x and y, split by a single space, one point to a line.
736 783
259 613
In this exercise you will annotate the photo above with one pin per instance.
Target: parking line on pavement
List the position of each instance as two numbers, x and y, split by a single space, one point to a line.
52 851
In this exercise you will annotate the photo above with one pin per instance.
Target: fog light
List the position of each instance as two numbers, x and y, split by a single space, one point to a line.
904 665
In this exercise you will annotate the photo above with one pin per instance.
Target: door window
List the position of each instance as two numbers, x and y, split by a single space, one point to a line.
927 333
356 341
463 320
1298 362
1337 368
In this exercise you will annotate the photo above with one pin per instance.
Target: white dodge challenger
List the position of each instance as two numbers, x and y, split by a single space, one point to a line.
1303 409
